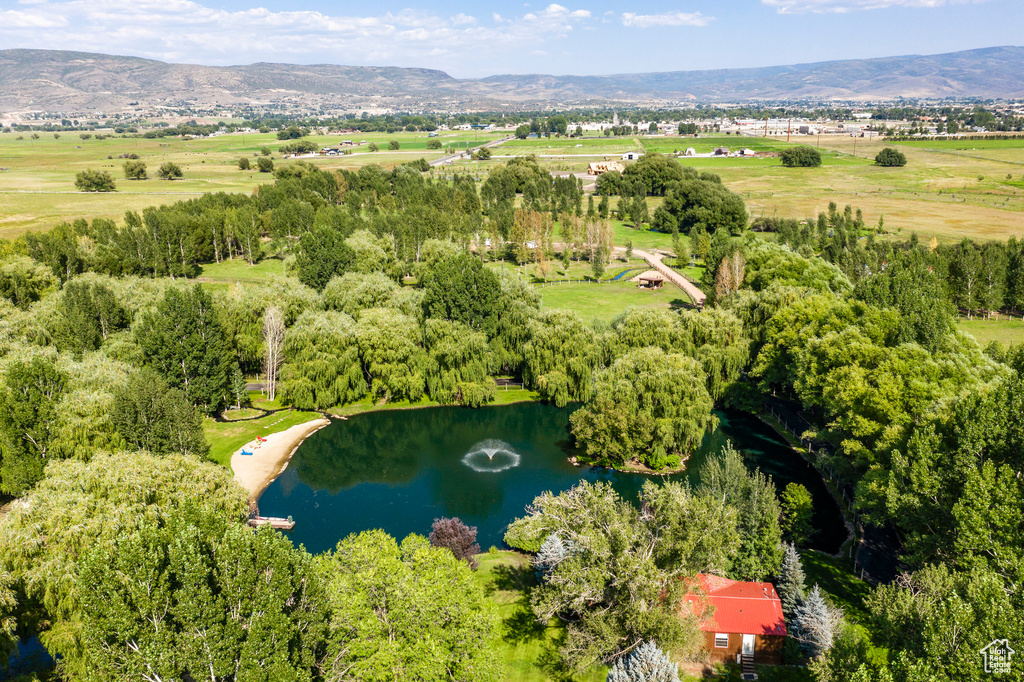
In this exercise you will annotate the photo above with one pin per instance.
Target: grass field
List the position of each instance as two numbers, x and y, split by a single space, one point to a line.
949 189
524 647
37 183
239 270
606 300
1006 332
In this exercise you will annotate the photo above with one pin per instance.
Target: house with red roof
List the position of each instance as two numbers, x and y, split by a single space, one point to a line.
740 620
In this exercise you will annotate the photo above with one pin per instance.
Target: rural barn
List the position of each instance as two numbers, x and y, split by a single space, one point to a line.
632 156
746 623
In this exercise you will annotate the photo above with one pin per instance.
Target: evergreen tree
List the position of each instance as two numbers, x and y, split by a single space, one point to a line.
646 663
816 623
791 586
551 553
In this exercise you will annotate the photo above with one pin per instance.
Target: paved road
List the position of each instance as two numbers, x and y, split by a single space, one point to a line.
445 160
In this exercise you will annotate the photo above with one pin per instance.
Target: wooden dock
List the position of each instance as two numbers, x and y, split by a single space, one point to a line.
272 521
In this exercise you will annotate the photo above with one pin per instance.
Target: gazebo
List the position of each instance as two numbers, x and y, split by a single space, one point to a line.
652 279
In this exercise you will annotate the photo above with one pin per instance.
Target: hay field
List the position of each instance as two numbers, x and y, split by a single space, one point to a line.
37 184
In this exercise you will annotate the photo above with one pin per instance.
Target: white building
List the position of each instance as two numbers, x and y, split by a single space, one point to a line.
632 156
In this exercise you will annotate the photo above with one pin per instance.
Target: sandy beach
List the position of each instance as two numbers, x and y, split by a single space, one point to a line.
257 471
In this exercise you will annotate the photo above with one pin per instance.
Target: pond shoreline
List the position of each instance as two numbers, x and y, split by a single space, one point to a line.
255 472
851 538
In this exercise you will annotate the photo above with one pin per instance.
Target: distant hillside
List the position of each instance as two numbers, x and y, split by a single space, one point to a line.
75 81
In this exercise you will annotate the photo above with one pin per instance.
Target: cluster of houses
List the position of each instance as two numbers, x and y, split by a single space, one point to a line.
338 151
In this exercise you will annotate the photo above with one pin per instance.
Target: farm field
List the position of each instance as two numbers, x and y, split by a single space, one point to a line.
37 181
936 194
949 189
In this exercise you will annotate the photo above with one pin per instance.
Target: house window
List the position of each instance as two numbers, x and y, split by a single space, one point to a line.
721 640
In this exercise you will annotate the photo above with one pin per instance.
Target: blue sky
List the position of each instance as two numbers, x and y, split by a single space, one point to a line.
472 39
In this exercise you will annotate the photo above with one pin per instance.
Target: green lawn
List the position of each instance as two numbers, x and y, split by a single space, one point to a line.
1006 332
239 270
226 437
606 300
836 579
642 239
524 646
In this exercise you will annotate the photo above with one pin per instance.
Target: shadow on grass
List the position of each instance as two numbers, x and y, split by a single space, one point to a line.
522 626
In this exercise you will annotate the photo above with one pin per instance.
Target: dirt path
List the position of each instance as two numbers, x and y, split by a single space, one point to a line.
257 471
654 259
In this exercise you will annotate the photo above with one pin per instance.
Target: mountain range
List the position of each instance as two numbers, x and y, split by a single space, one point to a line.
60 81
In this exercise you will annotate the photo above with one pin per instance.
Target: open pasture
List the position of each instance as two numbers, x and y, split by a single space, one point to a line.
37 184
935 194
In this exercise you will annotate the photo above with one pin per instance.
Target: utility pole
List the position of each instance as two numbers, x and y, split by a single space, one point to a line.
766 126
789 130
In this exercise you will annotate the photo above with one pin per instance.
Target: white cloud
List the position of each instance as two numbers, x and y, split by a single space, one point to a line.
189 31
842 6
665 19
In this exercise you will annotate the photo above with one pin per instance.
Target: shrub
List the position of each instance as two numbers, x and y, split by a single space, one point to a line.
243 163
94 181
265 164
800 157
373 147
394 145
453 534
890 157
433 143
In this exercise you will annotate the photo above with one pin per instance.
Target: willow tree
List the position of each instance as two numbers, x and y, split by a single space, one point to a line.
560 356
393 359
648 407
322 367
457 364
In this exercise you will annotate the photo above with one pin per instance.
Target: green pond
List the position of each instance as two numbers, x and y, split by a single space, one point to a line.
398 470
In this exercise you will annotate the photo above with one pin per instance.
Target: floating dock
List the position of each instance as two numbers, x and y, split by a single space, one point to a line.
272 521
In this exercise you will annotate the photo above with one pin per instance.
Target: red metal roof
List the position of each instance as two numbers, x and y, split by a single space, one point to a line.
739 607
